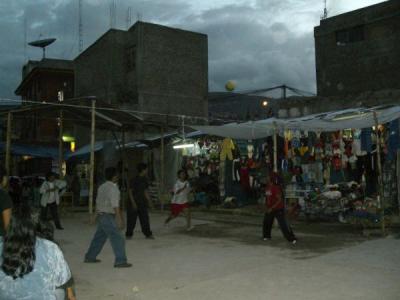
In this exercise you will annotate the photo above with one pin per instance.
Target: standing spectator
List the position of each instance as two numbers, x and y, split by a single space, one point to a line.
5 202
109 222
51 198
180 202
275 208
138 204
30 267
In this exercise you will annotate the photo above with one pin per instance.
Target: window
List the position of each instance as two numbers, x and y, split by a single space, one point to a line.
131 58
350 35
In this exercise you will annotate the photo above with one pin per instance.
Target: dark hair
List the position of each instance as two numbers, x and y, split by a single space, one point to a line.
141 167
45 230
182 171
110 172
19 243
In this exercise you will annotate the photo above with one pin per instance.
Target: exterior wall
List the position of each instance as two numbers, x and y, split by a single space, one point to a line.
173 70
370 64
148 68
43 86
100 68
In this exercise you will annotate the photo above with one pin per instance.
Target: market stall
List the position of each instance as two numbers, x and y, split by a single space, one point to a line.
321 153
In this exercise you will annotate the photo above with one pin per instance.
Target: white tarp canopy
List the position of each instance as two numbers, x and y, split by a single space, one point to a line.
356 118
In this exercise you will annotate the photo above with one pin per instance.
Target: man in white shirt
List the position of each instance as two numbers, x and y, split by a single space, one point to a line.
109 222
50 191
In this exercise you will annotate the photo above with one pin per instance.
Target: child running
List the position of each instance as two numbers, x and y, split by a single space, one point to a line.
180 202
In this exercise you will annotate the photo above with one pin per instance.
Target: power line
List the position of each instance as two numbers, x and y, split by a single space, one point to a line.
88 107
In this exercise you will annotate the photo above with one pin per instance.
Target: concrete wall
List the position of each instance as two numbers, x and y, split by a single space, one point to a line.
368 65
169 74
173 70
99 70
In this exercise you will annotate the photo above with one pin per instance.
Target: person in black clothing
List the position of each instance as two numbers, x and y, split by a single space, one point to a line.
138 204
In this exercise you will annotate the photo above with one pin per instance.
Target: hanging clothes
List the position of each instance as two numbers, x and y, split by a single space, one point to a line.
227 147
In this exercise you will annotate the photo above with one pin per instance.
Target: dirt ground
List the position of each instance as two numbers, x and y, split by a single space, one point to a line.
228 260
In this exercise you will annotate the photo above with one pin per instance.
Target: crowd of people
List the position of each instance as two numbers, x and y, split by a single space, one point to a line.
32 265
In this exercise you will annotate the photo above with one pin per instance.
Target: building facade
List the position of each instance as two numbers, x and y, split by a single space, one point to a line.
149 68
358 52
42 81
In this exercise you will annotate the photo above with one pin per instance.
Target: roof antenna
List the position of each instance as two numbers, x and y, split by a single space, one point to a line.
325 15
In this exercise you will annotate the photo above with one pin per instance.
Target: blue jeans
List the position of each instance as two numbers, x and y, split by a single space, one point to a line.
107 228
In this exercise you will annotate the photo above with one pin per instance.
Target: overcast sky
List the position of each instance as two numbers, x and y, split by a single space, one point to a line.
257 43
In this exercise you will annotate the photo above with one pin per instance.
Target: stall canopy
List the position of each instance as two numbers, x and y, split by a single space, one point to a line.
356 118
33 151
83 153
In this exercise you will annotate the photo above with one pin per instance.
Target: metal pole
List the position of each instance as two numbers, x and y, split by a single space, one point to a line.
92 141
380 178
162 183
60 145
8 144
275 148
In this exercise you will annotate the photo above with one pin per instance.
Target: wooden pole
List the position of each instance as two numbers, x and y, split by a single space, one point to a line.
124 188
8 144
92 141
380 178
275 148
60 145
162 183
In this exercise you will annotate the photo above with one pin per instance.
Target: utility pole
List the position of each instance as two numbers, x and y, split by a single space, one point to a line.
284 87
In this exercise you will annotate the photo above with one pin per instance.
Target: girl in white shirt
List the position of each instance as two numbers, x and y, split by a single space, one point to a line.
180 202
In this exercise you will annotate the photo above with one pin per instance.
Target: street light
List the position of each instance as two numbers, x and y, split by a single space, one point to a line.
265 103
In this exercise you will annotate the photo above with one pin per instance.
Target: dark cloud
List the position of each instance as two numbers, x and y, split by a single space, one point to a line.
260 44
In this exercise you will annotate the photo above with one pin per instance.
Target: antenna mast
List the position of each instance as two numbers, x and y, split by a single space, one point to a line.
113 16
325 15
129 17
80 29
25 37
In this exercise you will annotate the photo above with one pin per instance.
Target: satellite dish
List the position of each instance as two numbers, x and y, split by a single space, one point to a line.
42 44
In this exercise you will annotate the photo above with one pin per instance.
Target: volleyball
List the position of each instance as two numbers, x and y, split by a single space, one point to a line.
230 86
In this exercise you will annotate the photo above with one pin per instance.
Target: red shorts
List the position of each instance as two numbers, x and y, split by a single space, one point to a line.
176 209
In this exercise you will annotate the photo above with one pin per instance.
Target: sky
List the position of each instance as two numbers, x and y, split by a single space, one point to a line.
256 43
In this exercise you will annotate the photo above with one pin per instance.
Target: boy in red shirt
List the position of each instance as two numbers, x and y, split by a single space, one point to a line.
275 208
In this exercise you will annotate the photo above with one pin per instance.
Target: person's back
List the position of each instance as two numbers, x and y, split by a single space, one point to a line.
50 271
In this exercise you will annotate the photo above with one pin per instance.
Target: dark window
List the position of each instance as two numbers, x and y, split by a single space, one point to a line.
131 58
350 35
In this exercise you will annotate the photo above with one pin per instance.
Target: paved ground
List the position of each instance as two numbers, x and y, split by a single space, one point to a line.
229 261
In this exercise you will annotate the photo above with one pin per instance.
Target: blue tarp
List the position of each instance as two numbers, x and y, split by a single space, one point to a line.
31 150
83 153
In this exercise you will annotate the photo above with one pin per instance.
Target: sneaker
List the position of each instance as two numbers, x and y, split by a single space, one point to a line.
91 261
150 237
294 242
60 227
266 239
190 228
123 265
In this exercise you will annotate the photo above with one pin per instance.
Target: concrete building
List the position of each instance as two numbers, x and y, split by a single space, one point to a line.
42 81
149 68
358 52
